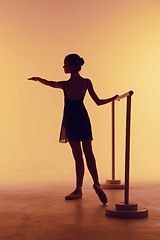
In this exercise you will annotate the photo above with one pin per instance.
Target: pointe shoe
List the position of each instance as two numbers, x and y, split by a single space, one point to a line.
74 195
102 196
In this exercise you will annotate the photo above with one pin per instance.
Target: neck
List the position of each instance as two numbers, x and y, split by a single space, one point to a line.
75 75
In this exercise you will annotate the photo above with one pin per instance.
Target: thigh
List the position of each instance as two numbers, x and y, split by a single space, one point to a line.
76 148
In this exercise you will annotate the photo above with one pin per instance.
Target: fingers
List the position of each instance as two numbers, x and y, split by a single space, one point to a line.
116 96
33 78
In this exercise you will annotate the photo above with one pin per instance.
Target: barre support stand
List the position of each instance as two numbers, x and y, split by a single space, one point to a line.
126 209
113 183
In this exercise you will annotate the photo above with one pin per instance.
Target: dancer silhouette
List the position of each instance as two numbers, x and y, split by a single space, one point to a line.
76 126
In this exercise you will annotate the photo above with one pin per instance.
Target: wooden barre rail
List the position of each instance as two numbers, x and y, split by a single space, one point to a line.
130 93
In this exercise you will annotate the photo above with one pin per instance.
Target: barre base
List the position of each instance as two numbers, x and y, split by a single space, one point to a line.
130 210
112 184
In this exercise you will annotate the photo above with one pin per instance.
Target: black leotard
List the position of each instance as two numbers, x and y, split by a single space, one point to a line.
76 124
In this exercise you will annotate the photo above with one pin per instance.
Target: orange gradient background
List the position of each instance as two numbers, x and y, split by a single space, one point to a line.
120 42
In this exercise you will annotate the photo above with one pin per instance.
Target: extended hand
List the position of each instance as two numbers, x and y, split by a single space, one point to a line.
115 97
34 78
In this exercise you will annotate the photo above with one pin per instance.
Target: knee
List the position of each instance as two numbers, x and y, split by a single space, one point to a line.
88 152
77 155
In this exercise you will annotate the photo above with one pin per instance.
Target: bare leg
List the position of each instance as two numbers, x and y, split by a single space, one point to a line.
90 159
79 164
91 164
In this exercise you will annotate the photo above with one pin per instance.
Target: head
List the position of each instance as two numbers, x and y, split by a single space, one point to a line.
73 63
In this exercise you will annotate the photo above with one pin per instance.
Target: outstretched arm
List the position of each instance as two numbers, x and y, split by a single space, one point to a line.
53 84
96 98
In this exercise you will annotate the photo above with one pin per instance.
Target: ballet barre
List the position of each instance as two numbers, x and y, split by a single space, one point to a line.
114 183
124 209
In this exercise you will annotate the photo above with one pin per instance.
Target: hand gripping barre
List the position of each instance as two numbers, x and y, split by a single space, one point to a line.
130 93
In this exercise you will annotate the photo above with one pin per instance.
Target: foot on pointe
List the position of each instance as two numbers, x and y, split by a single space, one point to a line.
102 196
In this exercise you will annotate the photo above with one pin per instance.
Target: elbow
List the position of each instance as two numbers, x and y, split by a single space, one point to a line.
98 103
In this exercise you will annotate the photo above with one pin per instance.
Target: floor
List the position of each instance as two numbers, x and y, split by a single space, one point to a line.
41 213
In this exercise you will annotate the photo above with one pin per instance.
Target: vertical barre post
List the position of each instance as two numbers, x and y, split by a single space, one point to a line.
113 183
113 140
126 209
127 153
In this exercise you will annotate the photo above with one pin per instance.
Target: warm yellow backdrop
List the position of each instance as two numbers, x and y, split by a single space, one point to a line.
120 42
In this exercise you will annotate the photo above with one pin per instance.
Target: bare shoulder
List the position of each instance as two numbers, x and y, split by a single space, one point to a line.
88 83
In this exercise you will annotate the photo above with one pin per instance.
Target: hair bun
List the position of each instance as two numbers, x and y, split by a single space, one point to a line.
75 60
81 61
